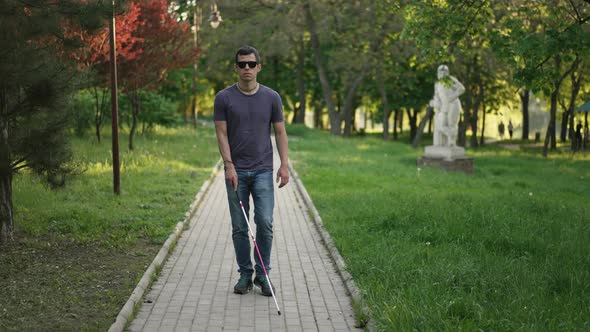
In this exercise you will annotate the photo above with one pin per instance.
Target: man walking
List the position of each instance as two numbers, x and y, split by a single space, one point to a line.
243 114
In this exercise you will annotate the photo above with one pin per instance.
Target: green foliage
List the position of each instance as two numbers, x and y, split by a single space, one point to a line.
38 117
503 249
529 37
37 86
157 109
83 113
439 27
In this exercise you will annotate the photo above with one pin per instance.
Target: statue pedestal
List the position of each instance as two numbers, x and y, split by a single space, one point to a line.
447 158
444 152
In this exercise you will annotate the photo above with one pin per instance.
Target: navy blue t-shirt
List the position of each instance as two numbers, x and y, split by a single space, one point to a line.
249 118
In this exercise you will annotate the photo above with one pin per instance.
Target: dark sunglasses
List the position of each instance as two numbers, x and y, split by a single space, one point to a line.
251 64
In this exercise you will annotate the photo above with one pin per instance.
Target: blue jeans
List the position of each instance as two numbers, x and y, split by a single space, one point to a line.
259 184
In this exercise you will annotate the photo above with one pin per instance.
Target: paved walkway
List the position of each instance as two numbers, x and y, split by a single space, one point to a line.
194 291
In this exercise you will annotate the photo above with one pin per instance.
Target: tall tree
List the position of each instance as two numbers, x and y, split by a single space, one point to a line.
525 95
569 98
348 37
165 45
93 55
544 56
35 91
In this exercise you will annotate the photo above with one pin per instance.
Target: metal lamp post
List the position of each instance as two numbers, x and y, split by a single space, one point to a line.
197 18
114 104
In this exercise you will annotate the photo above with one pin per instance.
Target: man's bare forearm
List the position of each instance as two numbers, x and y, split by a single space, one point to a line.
222 141
282 143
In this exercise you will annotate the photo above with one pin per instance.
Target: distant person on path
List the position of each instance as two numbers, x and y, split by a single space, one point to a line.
501 129
448 107
510 128
243 114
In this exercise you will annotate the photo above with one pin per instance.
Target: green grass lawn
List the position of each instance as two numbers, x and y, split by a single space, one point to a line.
504 249
81 250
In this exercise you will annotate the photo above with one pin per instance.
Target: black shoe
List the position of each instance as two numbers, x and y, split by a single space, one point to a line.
244 285
264 285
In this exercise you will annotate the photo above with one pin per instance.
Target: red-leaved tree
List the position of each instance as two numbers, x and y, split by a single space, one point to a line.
93 55
165 45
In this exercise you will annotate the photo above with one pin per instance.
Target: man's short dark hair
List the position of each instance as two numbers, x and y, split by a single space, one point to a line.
245 50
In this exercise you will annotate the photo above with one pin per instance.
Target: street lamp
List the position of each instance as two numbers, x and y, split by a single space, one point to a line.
114 103
214 21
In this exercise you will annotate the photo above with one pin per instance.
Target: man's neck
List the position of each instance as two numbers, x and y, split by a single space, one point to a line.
248 87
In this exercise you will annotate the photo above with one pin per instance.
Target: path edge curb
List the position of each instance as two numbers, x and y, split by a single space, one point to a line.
347 279
136 296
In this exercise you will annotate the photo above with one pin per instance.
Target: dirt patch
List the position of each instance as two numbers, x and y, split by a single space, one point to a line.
53 285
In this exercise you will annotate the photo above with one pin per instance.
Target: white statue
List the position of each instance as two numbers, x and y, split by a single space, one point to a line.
447 107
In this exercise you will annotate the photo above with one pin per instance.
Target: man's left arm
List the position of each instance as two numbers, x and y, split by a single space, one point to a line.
282 146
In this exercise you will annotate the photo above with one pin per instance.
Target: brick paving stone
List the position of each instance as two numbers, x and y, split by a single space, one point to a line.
194 291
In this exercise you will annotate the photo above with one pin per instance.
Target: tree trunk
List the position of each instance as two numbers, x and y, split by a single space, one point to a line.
324 82
564 121
423 122
317 106
6 211
343 114
461 133
473 123
386 110
483 124
386 125
317 117
465 118
351 123
475 111
401 122
135 109
99 111
524 101
96 114
349 103
576 85
413 119
550 137
274 60
300 113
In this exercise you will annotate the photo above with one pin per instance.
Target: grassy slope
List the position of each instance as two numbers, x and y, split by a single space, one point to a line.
503 249
81 250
